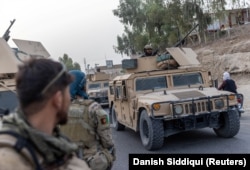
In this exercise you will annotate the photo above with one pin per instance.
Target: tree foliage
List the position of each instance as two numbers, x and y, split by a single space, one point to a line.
68 62
161 23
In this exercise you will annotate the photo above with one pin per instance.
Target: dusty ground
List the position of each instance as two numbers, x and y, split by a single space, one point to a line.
232 54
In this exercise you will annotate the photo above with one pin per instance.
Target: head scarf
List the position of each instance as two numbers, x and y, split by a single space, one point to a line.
226 76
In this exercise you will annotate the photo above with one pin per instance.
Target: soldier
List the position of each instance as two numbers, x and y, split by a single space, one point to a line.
78 87
29 137
89 127
148 51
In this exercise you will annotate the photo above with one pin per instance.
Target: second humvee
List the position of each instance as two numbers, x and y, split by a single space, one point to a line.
97 87
171 93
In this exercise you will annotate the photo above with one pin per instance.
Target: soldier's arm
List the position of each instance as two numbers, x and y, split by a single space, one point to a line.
103 129
102 125
221 87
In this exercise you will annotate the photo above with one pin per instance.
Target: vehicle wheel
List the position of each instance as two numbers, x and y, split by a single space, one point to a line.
230 124
118 126
151 132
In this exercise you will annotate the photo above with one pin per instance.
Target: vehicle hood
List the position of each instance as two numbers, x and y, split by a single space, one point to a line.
177 95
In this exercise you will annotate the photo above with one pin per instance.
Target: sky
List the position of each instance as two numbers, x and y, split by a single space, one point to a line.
79 28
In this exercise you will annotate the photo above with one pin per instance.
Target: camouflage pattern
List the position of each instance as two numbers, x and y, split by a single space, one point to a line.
52 152
89 127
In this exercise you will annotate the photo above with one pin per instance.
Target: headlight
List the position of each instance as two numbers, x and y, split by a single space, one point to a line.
156 106
219 103
231 96
178 109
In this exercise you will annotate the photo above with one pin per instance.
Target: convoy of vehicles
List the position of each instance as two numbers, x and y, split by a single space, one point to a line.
158 96
163 95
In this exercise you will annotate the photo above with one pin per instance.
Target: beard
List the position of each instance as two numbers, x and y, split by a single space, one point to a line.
63 116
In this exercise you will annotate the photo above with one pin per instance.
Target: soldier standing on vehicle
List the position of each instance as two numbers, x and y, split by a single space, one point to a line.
148 51
30 138
89 127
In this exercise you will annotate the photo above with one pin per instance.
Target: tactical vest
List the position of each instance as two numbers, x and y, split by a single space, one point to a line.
80 125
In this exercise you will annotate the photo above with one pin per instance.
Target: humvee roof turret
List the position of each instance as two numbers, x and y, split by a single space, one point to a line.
10 58
171 93
8 68
97 87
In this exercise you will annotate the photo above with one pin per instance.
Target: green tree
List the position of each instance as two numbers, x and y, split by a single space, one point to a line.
69 63
160 23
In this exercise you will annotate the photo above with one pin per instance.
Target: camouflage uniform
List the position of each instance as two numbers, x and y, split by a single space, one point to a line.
88 125
50 152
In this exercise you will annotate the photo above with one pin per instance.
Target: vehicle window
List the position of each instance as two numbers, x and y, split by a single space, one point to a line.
111 90
151 83
187 79
106 84
94 86
118 92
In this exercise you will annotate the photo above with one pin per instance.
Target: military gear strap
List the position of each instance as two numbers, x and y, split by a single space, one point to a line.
23 143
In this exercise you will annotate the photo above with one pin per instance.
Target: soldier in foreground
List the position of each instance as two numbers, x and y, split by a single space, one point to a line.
89 127
30 138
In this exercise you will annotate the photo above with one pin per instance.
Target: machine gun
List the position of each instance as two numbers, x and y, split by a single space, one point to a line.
183 39
6 35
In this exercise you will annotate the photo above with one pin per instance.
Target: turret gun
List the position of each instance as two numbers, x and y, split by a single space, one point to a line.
6 35
183 39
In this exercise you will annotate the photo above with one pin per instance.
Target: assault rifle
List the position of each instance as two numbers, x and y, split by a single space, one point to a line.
183 39
6 35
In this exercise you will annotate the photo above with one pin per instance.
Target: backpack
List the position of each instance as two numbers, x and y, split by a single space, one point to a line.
21 143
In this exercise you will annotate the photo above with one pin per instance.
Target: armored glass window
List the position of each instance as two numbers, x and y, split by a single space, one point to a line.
111 90
187 79
94 86
106 84
151 83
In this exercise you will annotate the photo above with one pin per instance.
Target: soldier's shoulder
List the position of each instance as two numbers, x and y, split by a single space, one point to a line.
11 159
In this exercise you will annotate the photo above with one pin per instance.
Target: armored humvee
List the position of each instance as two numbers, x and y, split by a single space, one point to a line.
163 95
9 60
97 87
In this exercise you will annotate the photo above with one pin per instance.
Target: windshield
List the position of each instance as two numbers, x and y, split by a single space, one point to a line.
151 83
94 86
106 84
187 79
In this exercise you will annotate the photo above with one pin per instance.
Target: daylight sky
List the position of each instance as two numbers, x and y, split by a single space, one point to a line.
79 28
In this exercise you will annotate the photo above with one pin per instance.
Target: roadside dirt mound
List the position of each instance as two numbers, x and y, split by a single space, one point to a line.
232 54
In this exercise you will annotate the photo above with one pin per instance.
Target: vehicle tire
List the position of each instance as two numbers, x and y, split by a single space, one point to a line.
151 132
230 124
118 126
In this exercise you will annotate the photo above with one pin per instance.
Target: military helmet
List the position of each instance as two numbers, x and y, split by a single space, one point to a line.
147 47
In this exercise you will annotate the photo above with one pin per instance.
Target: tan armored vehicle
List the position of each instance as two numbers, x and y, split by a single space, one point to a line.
163 95
9 59
97 87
